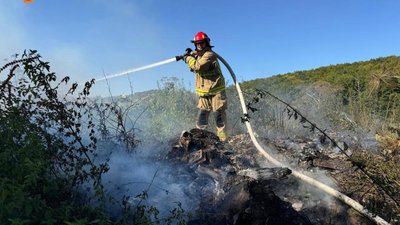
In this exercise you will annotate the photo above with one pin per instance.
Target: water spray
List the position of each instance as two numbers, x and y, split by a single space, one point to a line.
136 69
174 59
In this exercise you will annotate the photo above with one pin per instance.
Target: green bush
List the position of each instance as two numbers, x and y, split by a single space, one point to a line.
49 142
43 159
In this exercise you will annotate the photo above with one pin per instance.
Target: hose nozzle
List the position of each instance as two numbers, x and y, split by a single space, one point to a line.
179 57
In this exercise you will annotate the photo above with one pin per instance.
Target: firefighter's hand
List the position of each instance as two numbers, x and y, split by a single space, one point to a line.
187 53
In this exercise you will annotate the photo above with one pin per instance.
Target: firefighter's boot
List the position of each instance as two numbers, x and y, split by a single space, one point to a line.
221 134
202 120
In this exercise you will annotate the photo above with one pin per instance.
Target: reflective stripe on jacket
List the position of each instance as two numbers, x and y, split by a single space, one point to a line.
209 78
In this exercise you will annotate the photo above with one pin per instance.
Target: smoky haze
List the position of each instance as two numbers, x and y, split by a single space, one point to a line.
131 174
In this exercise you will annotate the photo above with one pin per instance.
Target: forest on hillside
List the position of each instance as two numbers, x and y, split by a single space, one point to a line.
53 143
367 91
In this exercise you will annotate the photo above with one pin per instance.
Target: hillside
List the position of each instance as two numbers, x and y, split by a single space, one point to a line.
366 89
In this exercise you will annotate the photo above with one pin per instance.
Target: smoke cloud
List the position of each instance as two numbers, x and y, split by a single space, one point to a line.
131 174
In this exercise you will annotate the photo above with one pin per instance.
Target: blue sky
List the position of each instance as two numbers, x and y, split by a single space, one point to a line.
84 38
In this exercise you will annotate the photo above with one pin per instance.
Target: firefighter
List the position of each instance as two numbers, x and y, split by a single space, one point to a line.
210 84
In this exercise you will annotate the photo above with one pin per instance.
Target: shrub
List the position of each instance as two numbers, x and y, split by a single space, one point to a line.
43 158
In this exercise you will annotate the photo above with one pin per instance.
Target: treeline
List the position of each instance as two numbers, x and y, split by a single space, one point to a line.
370 90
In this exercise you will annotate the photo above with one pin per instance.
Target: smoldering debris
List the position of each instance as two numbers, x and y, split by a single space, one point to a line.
235 185
231 186
225 183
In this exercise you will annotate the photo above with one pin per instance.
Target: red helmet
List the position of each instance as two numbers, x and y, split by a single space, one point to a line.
201 37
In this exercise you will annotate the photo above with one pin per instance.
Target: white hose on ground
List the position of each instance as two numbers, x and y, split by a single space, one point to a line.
349 201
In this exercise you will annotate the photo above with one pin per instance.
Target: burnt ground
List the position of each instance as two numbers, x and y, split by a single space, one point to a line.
234 184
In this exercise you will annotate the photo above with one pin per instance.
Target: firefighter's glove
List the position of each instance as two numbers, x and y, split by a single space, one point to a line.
188 52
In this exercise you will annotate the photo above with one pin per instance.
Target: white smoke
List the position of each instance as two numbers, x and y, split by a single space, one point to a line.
131 174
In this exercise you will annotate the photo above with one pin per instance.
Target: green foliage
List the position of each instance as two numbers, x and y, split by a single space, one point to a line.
48 146
42 156
23 167
369 91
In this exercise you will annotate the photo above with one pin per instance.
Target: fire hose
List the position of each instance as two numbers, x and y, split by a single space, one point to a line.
344 198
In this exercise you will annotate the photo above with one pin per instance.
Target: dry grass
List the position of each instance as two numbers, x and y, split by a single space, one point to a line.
389 141
386 172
